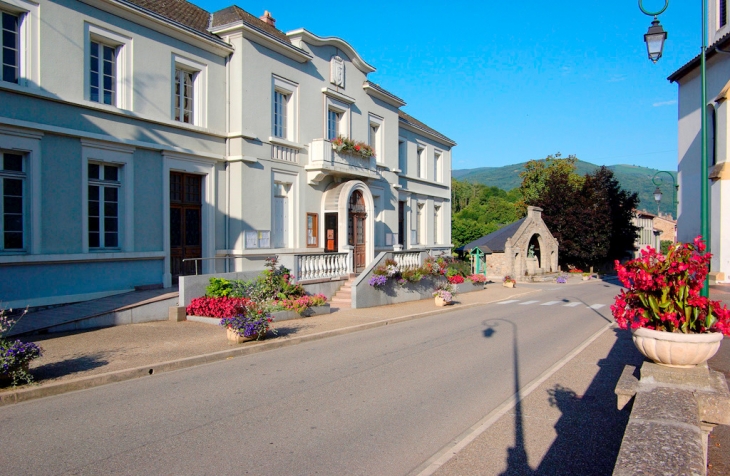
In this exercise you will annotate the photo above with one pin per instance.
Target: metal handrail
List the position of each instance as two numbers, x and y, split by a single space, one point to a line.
215 257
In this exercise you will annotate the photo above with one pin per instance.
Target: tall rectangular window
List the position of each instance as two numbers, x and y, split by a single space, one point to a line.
421 162
104 188
103 73
312 227
723 13
436 224
12 207
437 167
10 43
281 106
184 95
401 222
281 215
402 155
333 124
420 239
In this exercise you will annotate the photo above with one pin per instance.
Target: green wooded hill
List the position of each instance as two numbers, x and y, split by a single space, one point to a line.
631 177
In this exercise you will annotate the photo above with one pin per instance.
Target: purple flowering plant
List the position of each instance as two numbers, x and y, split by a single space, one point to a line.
253 320
15 355
378 280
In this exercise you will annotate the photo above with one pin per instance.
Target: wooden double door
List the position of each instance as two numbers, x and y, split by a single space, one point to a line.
185 223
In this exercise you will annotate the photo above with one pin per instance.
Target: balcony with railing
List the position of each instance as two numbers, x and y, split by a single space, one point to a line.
324 161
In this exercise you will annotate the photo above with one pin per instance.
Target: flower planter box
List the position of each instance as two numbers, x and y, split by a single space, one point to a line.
468 287
278 315
508 285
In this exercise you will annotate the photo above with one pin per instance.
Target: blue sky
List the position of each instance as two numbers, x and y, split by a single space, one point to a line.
515 81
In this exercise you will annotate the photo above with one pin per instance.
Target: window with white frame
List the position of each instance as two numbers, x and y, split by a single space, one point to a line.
103 205
184 97
375 136
437 224
188 87
281 225
420 228
108 68
10 45
13 206
402 155
337 122
421 162
283 115
438 166
334 118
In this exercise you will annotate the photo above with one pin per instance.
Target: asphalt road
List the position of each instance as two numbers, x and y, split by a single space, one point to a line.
376 402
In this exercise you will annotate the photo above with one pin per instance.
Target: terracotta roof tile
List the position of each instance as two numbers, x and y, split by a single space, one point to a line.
233 14
179 11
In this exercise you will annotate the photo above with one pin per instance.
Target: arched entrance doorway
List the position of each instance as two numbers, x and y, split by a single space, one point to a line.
356 228
533 250
349 224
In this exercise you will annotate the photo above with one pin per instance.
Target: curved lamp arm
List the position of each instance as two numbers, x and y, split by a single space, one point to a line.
651 14
676 187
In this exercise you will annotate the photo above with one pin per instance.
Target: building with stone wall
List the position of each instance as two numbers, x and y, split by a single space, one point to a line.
523 248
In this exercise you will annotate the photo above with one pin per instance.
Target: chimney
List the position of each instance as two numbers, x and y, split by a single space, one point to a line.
267 18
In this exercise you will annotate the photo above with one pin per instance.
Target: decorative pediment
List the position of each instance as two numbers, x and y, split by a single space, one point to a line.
337 71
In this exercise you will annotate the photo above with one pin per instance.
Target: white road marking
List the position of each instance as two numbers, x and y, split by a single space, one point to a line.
596 306
572 304
528 302
549 303
509 302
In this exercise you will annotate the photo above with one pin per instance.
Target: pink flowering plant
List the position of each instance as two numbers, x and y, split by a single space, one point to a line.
663 292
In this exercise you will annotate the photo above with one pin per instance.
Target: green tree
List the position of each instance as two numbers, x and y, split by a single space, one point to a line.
590 218
538 172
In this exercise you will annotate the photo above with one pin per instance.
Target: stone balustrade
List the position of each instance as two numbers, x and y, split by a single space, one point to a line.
321 266
407 259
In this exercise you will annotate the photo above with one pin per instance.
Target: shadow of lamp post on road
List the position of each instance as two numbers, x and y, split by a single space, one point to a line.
517 455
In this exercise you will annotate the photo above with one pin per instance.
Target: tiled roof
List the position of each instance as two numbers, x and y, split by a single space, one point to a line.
412 121
233 14
695 62
178 11
497 239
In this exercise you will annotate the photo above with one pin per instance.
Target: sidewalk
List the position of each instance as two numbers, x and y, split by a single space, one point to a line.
78 360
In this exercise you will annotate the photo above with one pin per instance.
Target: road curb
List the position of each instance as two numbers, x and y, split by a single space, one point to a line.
83 383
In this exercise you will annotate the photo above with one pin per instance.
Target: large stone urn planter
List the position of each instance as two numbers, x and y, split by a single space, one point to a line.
674 349
441 302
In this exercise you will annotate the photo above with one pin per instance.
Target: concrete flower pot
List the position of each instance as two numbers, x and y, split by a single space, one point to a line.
508 284
440 301
233 336
675 349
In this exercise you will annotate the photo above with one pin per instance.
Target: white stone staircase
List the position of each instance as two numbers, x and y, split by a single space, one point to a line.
343 297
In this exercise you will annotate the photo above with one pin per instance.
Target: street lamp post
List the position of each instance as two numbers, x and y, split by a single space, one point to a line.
654 39
658 192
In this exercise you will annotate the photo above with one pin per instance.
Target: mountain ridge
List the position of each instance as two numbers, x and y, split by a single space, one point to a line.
634 178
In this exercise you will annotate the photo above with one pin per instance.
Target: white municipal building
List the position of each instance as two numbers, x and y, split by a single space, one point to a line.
138 133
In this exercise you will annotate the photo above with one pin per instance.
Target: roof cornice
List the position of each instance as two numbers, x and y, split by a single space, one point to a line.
308 37
426 133
265 39
694 63
380 93
157 22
